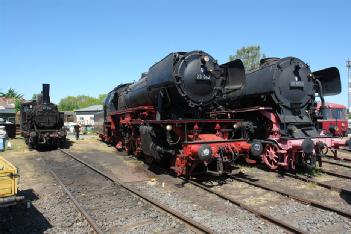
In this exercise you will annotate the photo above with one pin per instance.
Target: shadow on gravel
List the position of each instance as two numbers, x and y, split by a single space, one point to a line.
67 144
19 219
46 148
346 197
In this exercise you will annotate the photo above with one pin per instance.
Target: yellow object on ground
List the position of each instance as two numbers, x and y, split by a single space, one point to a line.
8 183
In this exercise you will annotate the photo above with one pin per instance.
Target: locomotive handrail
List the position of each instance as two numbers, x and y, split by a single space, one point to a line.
177 121
214 141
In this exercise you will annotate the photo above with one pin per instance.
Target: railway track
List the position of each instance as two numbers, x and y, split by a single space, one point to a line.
251 209
319 207
331 186
301 199
347 160
262 214
336 163
281 223
117 202
266 216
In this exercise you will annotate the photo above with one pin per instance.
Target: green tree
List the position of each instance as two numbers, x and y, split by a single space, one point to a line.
18 102
68 104
250 55
101 98
34 96
85 101
12 93
72 103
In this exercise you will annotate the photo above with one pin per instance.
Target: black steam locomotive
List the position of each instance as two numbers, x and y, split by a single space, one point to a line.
279 101
162 116
41 122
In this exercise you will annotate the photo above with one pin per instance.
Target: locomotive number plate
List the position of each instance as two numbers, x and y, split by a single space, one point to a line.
297 84
201 76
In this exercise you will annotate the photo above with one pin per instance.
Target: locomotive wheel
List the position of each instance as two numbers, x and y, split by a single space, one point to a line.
270 156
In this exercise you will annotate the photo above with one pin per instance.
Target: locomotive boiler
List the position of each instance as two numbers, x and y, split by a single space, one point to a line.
41 123
180 84
162 116
279 101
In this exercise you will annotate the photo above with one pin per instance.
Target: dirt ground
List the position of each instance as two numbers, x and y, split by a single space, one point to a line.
51 211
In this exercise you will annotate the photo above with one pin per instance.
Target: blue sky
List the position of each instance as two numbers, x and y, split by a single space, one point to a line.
89 47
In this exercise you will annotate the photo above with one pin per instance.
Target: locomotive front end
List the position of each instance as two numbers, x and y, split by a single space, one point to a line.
279 100
41 121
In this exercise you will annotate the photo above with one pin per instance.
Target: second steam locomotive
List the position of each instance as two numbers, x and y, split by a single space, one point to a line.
279 102
41 123
162 116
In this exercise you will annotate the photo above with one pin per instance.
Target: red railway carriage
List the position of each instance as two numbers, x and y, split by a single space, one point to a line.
334 121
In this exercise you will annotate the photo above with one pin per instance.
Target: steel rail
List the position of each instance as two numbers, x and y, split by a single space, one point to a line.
90 220
295 197
336 174
341 158
147 198
336 163
324 185
258 213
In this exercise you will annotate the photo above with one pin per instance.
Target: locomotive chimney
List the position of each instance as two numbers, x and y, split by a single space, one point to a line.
46 92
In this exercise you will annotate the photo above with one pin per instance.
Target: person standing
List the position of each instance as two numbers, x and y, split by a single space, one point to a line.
3 138
77 130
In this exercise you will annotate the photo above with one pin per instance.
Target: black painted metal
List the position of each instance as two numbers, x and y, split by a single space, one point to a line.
46 93
179 83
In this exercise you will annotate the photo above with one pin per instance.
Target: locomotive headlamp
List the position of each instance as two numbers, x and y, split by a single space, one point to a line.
310 76
205 59
205 152
169 127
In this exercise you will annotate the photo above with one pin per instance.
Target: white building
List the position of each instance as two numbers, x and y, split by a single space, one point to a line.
85 116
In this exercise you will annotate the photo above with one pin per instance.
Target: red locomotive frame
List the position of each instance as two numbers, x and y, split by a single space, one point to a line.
281 151
196 139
